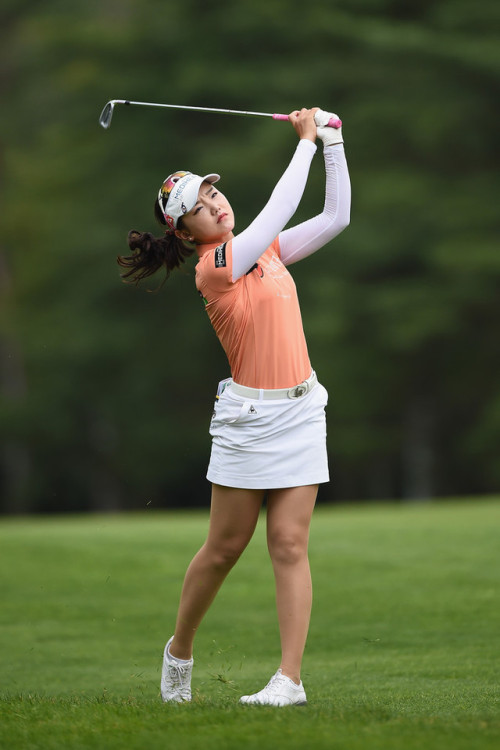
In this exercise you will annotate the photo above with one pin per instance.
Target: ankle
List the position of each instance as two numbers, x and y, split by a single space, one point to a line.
182 653
293 676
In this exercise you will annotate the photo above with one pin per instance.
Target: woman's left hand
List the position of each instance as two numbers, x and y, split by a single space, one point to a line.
303 123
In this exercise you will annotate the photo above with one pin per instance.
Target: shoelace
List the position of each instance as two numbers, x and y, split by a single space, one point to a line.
276 679
178 672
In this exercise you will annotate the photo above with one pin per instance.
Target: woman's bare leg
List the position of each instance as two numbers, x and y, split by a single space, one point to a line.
233 517
289 514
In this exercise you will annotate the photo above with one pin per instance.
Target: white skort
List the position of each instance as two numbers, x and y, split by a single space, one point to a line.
259 443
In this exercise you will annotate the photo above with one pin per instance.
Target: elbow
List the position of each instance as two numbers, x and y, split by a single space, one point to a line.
346 222
343 222
345 214
339 221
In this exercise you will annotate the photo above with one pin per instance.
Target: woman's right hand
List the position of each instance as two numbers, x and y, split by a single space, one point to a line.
303 123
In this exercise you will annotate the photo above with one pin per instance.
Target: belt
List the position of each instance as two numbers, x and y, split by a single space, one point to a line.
276 393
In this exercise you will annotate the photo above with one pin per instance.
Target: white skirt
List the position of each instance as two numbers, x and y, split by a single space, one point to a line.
268 444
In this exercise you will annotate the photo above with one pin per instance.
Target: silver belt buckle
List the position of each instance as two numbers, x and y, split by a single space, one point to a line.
299 390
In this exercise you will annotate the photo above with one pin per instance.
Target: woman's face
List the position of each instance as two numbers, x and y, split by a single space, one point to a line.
211 220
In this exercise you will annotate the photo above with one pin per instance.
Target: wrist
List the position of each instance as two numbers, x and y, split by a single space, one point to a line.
308 141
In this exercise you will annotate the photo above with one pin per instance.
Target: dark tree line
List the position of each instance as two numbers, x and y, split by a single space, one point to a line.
106 390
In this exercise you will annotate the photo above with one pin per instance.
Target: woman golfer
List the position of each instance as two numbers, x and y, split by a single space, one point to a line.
268 426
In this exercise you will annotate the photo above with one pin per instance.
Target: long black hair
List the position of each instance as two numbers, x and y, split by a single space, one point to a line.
150 253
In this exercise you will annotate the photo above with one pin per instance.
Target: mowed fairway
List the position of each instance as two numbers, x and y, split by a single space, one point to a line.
403 649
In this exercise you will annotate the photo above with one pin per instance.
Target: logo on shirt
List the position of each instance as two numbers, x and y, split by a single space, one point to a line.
275 268
220 256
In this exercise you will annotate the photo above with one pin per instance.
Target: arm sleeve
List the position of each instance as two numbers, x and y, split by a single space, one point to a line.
248 246
304 239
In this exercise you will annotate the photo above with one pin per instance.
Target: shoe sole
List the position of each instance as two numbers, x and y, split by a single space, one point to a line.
273 705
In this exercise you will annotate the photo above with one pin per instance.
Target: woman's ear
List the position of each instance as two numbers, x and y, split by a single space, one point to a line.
182 234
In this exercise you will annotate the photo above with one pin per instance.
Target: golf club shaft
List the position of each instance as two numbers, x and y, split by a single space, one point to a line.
107 112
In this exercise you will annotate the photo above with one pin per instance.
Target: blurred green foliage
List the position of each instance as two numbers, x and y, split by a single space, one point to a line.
106 390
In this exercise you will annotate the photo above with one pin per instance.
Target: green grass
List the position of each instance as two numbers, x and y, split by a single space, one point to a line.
402 652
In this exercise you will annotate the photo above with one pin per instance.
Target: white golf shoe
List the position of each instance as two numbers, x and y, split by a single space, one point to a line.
279 691
175 678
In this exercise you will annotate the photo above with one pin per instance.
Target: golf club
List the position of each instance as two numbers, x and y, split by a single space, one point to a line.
107 112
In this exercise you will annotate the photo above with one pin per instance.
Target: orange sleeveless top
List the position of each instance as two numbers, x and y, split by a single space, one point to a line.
256 318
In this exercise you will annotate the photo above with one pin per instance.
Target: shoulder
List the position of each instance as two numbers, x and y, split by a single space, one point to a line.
215 266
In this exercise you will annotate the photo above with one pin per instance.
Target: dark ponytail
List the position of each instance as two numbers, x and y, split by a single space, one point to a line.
150 253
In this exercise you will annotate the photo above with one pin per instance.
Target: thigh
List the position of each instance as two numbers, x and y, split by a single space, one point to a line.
289 510
233 514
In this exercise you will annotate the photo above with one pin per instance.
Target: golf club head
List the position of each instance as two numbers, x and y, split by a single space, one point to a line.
106 115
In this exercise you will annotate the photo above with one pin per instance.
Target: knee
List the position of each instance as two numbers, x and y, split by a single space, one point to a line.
225 554
287 548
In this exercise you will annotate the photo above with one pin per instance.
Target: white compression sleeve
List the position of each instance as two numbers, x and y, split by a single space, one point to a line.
300 241
285 198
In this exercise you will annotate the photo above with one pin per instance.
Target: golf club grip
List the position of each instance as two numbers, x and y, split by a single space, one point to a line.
331 123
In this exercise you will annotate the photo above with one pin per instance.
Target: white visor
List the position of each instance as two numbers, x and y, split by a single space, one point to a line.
179 194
